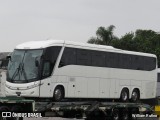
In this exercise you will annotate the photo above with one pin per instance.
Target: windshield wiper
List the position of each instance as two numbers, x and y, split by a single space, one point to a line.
19 71
16 72
23 71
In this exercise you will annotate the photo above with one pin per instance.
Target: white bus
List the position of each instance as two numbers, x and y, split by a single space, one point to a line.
158 82
63 69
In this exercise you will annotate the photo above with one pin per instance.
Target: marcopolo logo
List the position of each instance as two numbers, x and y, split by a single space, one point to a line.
12 114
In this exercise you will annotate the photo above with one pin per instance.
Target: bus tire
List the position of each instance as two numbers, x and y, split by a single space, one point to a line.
16 109
134 111
4 109
58 94
135 95
124 95
115 115
125 114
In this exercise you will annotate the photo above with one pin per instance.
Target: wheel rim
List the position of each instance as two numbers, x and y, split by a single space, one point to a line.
134 96
125 116
58 94
116 116
124 96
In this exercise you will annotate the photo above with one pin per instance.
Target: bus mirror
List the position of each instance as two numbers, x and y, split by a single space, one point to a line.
0 64
36 63
8 57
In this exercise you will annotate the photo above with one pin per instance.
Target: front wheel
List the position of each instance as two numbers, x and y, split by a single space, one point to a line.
4 116
58 94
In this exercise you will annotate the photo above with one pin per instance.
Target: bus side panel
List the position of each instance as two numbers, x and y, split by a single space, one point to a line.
93 87
71 87
81 87
149 89
112 88
45 88
104 89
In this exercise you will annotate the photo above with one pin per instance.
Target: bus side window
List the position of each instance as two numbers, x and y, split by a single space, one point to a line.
158 77
51 55
0 64
68 57
83 57
46 69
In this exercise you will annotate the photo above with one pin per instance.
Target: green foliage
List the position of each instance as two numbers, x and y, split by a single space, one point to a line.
147 41
104 36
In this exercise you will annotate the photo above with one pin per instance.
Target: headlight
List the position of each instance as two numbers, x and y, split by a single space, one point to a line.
32 86
8 86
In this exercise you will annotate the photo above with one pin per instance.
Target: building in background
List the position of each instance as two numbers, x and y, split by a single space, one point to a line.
3 68
3 60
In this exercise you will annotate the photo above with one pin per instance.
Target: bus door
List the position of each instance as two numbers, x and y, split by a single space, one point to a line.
81 87
49 60
45 84
71 86
45 87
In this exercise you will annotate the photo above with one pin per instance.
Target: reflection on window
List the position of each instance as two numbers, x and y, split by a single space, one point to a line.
46 69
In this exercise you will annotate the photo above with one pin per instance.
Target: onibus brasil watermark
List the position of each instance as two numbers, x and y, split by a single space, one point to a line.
145 115
13 114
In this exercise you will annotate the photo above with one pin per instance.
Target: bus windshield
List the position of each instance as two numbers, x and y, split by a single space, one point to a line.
22 65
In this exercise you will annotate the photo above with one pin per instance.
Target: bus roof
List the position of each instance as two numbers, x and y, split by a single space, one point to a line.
39 44
48 43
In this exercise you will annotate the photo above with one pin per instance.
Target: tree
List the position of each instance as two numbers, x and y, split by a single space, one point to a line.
104 36
146 41
126 42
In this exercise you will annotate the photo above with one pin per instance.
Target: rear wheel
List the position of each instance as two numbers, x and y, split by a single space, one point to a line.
135 96
133 112
124 95
58 94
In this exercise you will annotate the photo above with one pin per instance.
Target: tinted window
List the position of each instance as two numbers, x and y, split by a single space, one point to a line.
111 60
68 57
50 57
51 53
98 58
150 63
158 78
83 57
74 56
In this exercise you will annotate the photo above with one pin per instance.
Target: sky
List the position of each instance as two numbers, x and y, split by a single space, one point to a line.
74 20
